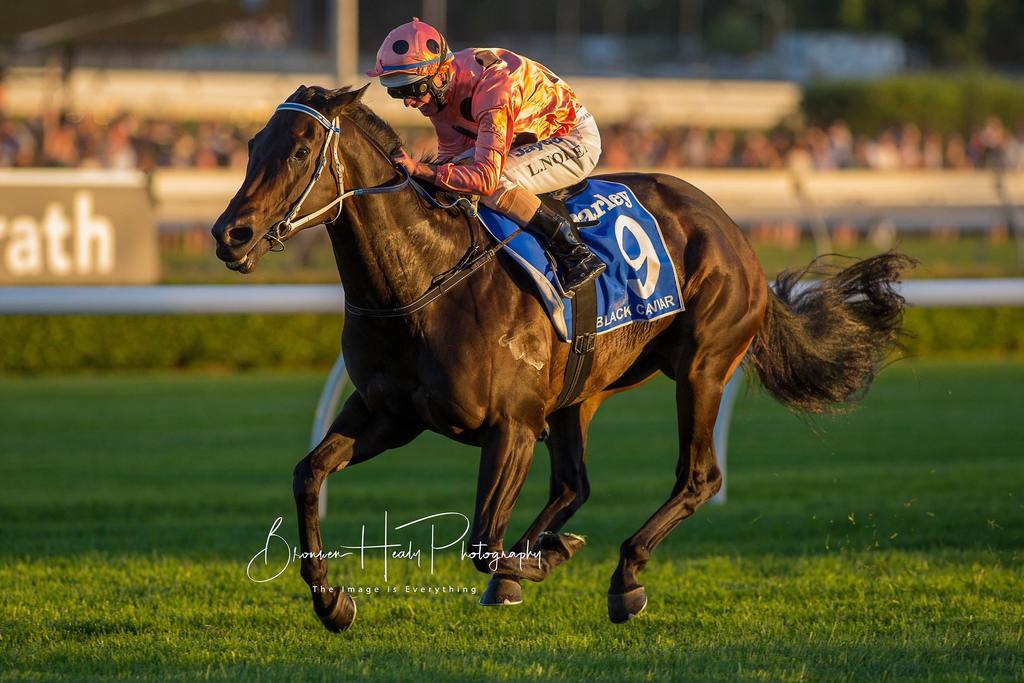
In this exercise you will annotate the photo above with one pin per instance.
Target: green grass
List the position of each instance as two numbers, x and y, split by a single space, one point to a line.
883 544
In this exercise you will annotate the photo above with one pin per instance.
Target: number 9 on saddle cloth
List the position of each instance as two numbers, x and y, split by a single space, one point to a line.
640 282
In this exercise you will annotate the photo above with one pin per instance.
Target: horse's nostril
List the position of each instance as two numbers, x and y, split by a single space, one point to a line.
236 237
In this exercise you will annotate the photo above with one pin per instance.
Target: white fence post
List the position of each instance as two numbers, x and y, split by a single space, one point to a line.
721 434
326 407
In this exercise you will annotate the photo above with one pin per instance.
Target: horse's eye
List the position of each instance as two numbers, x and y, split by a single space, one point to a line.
301 153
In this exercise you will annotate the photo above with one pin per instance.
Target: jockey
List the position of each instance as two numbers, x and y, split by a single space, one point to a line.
507 128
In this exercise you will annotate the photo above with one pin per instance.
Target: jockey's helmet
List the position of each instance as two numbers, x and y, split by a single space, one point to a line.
409 58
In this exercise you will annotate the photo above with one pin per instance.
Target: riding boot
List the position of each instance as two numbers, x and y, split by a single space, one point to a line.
577 265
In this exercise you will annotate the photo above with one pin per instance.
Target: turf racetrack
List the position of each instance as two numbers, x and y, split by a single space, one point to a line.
884 544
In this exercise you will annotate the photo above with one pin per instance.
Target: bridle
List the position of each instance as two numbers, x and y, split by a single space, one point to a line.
472 261
280 230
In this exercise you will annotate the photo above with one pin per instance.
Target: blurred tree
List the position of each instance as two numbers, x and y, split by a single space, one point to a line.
946 103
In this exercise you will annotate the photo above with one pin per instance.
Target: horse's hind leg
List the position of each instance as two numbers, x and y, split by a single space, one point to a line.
357 435
569 489
702 367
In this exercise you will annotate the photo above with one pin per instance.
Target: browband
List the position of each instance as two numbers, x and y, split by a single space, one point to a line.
295 106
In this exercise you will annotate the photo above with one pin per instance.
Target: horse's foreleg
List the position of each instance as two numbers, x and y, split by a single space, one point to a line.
569 489
356 436
505 460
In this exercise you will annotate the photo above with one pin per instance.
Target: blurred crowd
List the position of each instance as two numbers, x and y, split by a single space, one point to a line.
124 142
127 141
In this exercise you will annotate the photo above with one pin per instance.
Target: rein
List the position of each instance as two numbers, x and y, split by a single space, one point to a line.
470 262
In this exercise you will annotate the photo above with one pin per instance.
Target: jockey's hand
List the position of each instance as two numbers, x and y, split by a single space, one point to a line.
402 160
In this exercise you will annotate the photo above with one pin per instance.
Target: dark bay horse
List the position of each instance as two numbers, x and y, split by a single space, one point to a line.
483 365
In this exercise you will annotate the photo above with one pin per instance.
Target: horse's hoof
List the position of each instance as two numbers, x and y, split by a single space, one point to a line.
624 606
340 614
502 590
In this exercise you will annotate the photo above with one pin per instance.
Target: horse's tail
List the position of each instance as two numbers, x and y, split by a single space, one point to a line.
821 344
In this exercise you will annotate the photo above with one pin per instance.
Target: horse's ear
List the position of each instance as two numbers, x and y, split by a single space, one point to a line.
345 96
298 91
357 95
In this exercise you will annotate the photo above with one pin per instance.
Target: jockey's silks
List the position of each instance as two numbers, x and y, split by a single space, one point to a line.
497 96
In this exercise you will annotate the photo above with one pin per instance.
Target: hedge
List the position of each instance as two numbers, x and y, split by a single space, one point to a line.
947 104
32 344
35 344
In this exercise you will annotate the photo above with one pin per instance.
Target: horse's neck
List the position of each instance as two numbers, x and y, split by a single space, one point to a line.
388 247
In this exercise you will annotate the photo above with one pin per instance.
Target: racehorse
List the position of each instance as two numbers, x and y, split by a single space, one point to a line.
477 359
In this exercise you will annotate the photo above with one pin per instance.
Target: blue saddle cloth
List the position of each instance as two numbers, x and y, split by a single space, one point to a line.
640 282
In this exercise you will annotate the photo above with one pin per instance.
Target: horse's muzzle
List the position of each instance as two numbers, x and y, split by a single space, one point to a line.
246 262
237 236
234 239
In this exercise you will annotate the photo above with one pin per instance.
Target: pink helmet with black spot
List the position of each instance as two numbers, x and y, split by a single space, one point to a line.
410 52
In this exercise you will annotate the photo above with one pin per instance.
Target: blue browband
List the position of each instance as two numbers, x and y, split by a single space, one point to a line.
295 106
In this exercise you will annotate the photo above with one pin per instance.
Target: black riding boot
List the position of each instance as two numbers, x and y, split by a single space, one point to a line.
577 265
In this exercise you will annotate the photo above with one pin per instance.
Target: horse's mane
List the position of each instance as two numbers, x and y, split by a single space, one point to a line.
379 130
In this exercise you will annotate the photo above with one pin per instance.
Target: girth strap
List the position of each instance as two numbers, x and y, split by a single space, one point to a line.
581 346
583 335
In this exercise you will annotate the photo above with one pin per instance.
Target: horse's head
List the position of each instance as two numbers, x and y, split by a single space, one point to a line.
294 178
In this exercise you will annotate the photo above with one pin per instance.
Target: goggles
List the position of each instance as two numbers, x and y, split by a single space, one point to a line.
415 90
